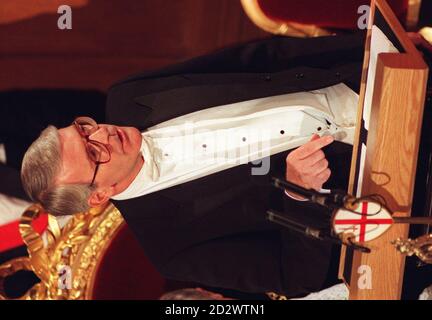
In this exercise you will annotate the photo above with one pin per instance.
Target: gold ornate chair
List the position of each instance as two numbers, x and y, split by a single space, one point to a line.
85 259
312 18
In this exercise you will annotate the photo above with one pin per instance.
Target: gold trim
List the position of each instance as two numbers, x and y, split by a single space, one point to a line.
421 247
68 260
9 268
276 296
279 27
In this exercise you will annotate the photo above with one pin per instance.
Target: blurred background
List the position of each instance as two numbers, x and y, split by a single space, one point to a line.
110 39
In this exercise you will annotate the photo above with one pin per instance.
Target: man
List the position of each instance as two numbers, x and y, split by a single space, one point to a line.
205 222
24 114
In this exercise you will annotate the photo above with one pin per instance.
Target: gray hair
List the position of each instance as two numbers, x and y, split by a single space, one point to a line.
40 166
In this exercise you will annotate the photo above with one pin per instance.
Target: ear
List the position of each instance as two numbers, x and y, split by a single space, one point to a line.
100 196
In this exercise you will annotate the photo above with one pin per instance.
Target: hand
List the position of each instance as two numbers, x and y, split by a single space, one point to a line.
307 165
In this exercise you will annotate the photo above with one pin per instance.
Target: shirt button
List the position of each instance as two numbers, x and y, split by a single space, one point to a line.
267 77
338 75
204 145
300 75
244 139
282 132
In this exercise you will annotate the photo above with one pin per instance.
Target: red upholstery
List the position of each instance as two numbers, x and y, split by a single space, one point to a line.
10 236
125 272
338 14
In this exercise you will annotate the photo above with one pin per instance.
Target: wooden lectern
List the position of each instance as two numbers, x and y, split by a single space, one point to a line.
385 151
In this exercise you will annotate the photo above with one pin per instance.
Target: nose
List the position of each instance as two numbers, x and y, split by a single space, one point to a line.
101 134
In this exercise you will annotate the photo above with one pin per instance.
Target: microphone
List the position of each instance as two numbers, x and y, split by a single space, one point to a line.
299 227
333 200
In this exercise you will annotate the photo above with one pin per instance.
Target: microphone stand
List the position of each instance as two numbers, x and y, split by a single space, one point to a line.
293 225
334 200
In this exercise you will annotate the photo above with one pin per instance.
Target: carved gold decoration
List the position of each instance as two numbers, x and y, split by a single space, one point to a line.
276 296
66 262
13 266
254 12
421 247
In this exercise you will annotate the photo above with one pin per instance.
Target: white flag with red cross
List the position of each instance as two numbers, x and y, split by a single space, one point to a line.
367 221
11 210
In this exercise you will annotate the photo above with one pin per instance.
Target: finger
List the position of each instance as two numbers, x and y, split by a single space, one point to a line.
324 176
295 153
318 167
319 180
312 146
313 158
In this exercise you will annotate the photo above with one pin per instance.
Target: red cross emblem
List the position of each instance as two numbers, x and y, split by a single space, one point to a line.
369 221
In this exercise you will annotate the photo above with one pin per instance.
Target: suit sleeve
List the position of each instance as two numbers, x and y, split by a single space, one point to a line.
268 55
273 261
247 263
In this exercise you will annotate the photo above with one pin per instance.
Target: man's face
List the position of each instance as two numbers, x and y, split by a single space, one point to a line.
124 143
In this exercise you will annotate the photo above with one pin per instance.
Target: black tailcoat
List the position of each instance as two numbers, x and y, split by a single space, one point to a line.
213 230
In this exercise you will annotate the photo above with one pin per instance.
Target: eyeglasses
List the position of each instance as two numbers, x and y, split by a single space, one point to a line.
98 152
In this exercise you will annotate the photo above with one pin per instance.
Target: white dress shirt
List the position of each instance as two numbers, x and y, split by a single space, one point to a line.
218 138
